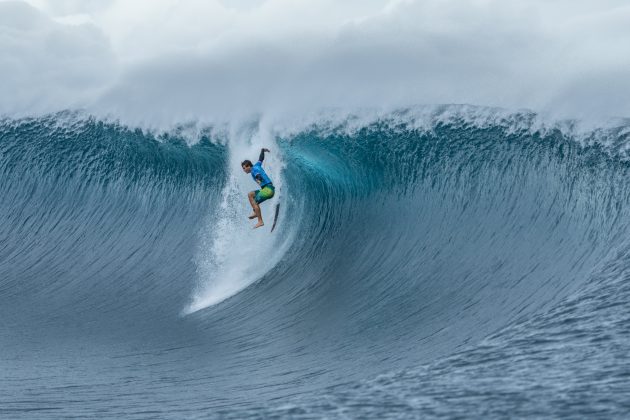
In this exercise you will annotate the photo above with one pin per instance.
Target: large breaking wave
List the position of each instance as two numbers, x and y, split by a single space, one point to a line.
402 239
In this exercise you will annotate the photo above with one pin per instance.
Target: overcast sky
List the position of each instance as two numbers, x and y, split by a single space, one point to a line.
168 60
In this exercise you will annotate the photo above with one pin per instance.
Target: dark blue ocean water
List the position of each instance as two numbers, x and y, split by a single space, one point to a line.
446 270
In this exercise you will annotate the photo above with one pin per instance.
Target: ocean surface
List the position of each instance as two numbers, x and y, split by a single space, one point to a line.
451 262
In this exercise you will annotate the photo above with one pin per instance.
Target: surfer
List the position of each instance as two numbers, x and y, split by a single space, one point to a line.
266 190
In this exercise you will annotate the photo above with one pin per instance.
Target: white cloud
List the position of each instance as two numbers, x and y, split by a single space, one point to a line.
46 66
216 59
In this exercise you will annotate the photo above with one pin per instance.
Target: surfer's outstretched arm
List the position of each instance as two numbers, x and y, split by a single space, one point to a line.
262 154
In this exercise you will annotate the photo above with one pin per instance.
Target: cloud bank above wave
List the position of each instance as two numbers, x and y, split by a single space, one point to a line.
159 62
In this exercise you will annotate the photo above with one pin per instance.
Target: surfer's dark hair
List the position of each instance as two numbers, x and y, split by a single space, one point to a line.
247 163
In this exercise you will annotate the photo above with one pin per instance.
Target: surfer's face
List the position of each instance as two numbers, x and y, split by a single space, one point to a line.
247 169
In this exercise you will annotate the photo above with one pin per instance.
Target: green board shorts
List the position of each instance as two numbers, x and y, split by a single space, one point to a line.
265 193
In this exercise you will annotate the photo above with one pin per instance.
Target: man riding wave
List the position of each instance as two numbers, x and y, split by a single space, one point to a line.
266 190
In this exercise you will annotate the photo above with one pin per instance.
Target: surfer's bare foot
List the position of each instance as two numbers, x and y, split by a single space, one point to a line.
259 224
252 216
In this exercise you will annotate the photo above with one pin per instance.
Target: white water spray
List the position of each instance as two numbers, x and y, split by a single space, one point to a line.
232 254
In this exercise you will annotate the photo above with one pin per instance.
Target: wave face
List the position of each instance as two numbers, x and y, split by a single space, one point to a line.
131 283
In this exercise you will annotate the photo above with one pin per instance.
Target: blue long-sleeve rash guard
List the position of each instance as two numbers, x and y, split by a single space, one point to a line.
258 173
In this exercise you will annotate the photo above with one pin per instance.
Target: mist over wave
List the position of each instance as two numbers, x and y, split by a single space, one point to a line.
405 239
158 63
